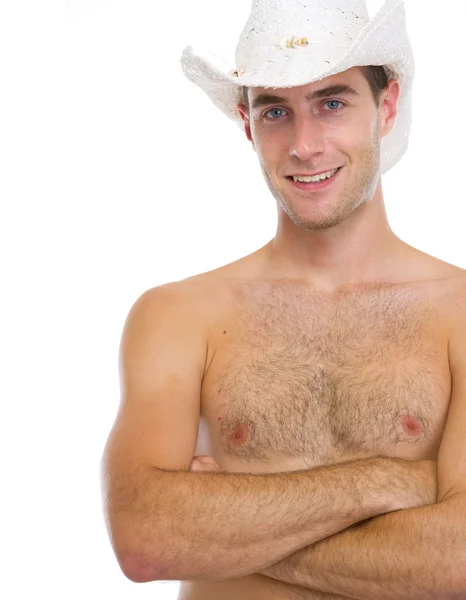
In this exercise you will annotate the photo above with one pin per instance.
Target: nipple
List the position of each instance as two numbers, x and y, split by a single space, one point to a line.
240 434
411 425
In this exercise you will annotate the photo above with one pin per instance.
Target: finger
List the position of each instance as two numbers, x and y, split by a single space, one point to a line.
206 460
204 463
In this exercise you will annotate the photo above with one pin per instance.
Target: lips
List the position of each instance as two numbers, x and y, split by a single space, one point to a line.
310 187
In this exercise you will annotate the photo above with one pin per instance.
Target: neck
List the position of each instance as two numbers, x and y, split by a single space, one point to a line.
361 248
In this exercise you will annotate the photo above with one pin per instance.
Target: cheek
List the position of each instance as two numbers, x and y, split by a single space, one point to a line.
266 150
272 147
354 140
353 130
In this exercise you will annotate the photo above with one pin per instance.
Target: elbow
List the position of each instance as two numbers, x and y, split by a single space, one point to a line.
158 561
152 561
138 566
138 570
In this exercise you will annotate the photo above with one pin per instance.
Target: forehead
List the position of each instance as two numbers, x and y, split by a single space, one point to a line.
353 77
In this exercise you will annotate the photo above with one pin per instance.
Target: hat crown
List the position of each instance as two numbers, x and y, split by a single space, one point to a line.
321 21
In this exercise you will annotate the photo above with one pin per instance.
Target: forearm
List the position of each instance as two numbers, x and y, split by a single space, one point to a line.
415 554
216 526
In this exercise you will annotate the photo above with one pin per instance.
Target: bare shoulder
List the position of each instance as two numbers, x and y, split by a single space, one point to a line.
196 303
448 283
448 278
195 300
180 304
459 295
177 294
453 282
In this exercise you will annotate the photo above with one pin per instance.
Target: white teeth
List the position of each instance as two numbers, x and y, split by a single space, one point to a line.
316 178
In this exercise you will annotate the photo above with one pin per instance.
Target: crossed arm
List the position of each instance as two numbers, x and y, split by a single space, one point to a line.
413 554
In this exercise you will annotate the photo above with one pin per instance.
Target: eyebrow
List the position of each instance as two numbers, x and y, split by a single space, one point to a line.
334 90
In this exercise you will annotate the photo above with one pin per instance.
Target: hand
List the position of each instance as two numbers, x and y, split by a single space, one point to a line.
203 462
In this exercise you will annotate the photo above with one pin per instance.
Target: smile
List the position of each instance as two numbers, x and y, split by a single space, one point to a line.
308 185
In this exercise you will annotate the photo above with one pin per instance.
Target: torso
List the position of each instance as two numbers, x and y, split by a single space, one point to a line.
297 378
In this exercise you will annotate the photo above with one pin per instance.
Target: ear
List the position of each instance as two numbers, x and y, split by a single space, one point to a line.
388 105
244 113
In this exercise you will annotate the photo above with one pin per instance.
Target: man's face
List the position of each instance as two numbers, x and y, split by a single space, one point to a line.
305 134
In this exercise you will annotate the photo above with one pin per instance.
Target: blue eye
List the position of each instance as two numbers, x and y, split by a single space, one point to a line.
334 102
272 111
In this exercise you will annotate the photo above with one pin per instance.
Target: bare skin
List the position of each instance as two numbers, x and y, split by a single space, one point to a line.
387 394
330 342
333 246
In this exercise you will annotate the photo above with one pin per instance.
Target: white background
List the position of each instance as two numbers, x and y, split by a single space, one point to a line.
117 175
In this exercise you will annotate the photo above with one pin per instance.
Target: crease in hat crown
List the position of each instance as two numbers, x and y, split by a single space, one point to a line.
334 36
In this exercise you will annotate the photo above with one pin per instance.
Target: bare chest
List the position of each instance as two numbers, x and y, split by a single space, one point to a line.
299 379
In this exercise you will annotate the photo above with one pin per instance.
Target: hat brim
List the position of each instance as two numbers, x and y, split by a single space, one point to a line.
382 41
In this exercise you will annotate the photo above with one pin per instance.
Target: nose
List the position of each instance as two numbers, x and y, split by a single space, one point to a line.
306 138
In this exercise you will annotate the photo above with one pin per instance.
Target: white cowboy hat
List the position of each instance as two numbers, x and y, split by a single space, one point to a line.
288 43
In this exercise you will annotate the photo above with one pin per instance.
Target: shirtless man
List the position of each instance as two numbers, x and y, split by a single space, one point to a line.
292 425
